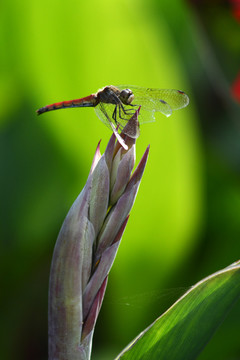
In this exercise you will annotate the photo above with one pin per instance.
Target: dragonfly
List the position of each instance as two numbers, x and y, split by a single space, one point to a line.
116 105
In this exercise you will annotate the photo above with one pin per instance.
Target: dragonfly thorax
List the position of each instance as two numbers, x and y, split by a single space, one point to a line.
126 96
112 95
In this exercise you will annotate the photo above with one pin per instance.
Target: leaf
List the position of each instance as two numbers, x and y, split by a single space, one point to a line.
187 326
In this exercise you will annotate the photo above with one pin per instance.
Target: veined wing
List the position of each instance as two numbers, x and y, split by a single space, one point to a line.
104 113
162 100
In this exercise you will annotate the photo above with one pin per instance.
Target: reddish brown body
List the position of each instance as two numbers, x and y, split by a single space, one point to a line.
88 101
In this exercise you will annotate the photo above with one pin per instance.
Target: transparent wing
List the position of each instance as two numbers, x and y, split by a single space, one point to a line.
162 100
105 113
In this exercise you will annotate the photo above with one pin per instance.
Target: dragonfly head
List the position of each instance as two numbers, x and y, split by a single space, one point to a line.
126 96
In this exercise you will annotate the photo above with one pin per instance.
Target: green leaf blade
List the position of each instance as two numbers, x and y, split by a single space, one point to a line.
185 328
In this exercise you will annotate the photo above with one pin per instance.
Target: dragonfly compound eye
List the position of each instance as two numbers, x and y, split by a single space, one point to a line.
126 96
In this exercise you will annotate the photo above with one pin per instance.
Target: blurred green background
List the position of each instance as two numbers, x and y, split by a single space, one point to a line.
185 222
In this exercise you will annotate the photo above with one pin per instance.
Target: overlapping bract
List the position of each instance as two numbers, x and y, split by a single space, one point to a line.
86 248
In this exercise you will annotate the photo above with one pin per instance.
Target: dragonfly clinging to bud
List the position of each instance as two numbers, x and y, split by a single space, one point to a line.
115 105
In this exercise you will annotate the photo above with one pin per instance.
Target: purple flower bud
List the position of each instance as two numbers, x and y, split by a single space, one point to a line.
87 245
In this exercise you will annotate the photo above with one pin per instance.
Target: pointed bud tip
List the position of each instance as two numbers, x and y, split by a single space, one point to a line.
143 160
137 175
97 152
96 157
138 110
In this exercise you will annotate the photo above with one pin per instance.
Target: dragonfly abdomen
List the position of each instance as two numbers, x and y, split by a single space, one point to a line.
88 101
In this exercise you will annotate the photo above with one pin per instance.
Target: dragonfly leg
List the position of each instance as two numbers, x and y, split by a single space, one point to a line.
133 105
121 108
125 111
118 110
114 115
